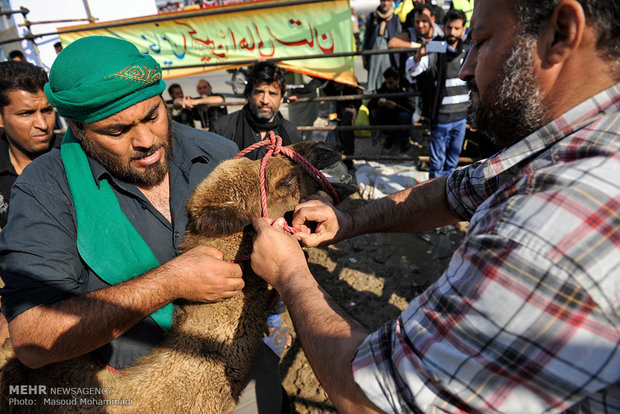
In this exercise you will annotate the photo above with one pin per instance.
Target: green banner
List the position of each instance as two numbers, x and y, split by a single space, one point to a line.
315 29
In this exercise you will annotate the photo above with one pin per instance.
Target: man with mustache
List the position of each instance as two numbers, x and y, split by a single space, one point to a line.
27 130
27 123
90 255
525 317
264 94
444 95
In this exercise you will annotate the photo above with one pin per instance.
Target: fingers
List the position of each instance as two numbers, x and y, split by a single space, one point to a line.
261 223
234 287
308 239
313 210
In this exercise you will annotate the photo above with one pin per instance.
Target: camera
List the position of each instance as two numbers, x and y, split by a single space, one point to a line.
436 46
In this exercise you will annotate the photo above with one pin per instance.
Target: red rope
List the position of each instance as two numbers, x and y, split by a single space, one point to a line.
274 147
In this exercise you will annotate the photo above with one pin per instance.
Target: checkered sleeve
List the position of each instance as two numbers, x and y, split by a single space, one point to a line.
466 188
527 316
493 336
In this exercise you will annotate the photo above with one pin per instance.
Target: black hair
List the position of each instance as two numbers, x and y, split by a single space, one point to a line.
391 72
419 8
455 14
173 86
602 14
265 72
20 75
16 54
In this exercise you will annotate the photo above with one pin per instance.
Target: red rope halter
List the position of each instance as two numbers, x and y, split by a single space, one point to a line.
274 147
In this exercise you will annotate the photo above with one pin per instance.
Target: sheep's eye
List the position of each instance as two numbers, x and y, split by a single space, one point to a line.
288 184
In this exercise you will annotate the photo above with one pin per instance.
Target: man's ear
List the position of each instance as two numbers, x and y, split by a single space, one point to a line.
563 32
1 118
77 132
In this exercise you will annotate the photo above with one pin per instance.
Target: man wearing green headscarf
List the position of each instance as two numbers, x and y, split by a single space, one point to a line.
90 255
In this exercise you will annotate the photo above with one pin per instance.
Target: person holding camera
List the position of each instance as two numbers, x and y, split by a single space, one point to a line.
444 96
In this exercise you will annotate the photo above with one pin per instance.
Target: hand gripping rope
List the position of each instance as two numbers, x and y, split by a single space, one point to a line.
274 146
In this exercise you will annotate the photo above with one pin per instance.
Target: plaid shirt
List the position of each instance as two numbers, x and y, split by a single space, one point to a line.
526 318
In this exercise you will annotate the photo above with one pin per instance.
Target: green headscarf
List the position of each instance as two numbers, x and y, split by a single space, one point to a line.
92 79
97 76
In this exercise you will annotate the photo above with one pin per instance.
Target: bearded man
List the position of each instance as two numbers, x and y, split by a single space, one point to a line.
525 318
444 95
264 94
90 255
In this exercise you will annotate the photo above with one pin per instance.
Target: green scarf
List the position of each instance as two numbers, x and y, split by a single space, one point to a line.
106 240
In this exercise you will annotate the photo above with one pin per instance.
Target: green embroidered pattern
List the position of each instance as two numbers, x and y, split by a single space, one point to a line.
136 73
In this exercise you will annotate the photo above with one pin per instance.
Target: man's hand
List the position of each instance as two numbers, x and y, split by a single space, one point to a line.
276 256
188 102
421 51
332 225
387 103
329 335
204 277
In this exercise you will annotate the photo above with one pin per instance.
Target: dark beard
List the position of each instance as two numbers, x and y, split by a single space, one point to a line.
258 114
518 109
154 174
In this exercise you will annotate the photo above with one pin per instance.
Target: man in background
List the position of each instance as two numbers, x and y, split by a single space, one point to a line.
204 107
27 131
17 56
27 122
392 111
264 94
444 96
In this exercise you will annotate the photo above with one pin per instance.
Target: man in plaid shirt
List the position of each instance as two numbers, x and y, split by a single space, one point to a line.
526 318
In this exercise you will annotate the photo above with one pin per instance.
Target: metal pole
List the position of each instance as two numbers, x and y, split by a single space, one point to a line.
90 16
54 21
175 16
248 62
22 10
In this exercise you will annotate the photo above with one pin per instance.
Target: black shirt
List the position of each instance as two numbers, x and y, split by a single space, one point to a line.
8 175
39 260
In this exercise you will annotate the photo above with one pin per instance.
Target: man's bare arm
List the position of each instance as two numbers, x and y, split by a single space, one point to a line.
212 100
81 324
329 336
400 41
418 208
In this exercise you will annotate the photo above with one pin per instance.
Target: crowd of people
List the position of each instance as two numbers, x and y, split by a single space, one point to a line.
524 319
430 74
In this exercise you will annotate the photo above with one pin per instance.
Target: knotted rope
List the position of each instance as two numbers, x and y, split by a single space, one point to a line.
274 147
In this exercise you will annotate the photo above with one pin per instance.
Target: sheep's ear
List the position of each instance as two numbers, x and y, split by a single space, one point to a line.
319 154
218 220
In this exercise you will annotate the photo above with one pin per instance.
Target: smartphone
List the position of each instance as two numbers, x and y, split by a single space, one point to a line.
436 46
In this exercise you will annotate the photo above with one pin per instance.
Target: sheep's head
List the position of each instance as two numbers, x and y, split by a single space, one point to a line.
227 200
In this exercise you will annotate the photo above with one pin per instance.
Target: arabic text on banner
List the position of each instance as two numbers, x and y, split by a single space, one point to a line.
287 31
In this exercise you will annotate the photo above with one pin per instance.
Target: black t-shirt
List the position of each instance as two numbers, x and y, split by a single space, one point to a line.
7 178
8 175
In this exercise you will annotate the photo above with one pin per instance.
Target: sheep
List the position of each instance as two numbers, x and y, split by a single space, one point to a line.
205 360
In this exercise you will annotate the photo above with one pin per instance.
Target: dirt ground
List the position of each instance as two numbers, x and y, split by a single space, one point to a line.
373 277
